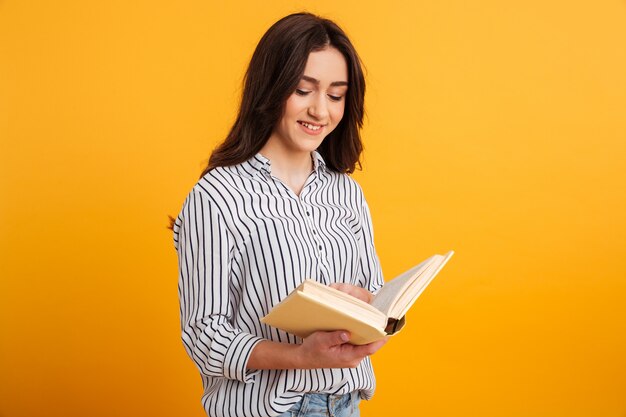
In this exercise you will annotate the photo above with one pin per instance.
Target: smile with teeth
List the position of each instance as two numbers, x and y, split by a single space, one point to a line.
310 126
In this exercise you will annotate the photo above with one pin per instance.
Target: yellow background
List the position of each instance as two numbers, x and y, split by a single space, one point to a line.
495 128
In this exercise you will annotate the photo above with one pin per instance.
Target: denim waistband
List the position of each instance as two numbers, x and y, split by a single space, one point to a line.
314 404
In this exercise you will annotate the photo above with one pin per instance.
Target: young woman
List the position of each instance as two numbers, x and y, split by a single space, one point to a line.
274 207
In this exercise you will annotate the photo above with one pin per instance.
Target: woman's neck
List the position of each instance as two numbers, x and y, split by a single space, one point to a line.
292 168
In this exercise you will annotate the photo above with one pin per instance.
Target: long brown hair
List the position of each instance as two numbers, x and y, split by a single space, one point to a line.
275 69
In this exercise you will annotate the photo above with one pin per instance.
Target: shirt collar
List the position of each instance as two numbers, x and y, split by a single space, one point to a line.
318 162
262 165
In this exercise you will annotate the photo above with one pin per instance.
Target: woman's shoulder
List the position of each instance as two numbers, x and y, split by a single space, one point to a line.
219 178
218 174
345 181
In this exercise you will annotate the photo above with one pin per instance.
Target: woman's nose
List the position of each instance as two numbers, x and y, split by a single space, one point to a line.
319 108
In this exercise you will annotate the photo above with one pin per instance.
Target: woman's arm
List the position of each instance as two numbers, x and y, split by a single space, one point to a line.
204 247
370 275
319 350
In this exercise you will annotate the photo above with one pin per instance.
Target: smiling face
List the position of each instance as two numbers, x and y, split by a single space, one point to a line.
316 107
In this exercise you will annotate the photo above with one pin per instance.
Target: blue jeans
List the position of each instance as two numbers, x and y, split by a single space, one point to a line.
325 405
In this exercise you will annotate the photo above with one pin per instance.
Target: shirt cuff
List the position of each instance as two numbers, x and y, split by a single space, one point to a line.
237 355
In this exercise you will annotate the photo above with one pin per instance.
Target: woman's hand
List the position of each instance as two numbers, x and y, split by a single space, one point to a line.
331 350
320 349
353 290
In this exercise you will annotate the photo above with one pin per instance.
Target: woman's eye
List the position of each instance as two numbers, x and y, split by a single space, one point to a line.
301 92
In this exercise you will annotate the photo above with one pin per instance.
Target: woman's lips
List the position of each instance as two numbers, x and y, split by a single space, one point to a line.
311 128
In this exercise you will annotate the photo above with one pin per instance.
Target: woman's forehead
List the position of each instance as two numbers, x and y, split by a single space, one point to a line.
327 66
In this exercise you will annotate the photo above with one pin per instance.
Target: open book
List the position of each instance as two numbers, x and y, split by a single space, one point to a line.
313 306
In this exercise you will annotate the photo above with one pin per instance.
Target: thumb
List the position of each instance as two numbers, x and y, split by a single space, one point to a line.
336 338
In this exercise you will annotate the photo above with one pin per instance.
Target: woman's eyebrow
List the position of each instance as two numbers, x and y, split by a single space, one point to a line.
315 81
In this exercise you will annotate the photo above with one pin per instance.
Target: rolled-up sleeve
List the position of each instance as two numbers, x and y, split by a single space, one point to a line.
369 271
205 249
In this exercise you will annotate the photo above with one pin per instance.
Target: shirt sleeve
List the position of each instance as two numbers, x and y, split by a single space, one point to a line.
204 248
369 272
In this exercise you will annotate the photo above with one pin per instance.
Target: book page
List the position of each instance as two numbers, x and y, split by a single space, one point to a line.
302 314
345 301
400 296
392 290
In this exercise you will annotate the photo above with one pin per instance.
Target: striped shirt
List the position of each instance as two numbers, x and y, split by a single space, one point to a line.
244 241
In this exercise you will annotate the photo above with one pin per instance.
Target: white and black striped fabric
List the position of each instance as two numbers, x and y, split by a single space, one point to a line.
244 241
